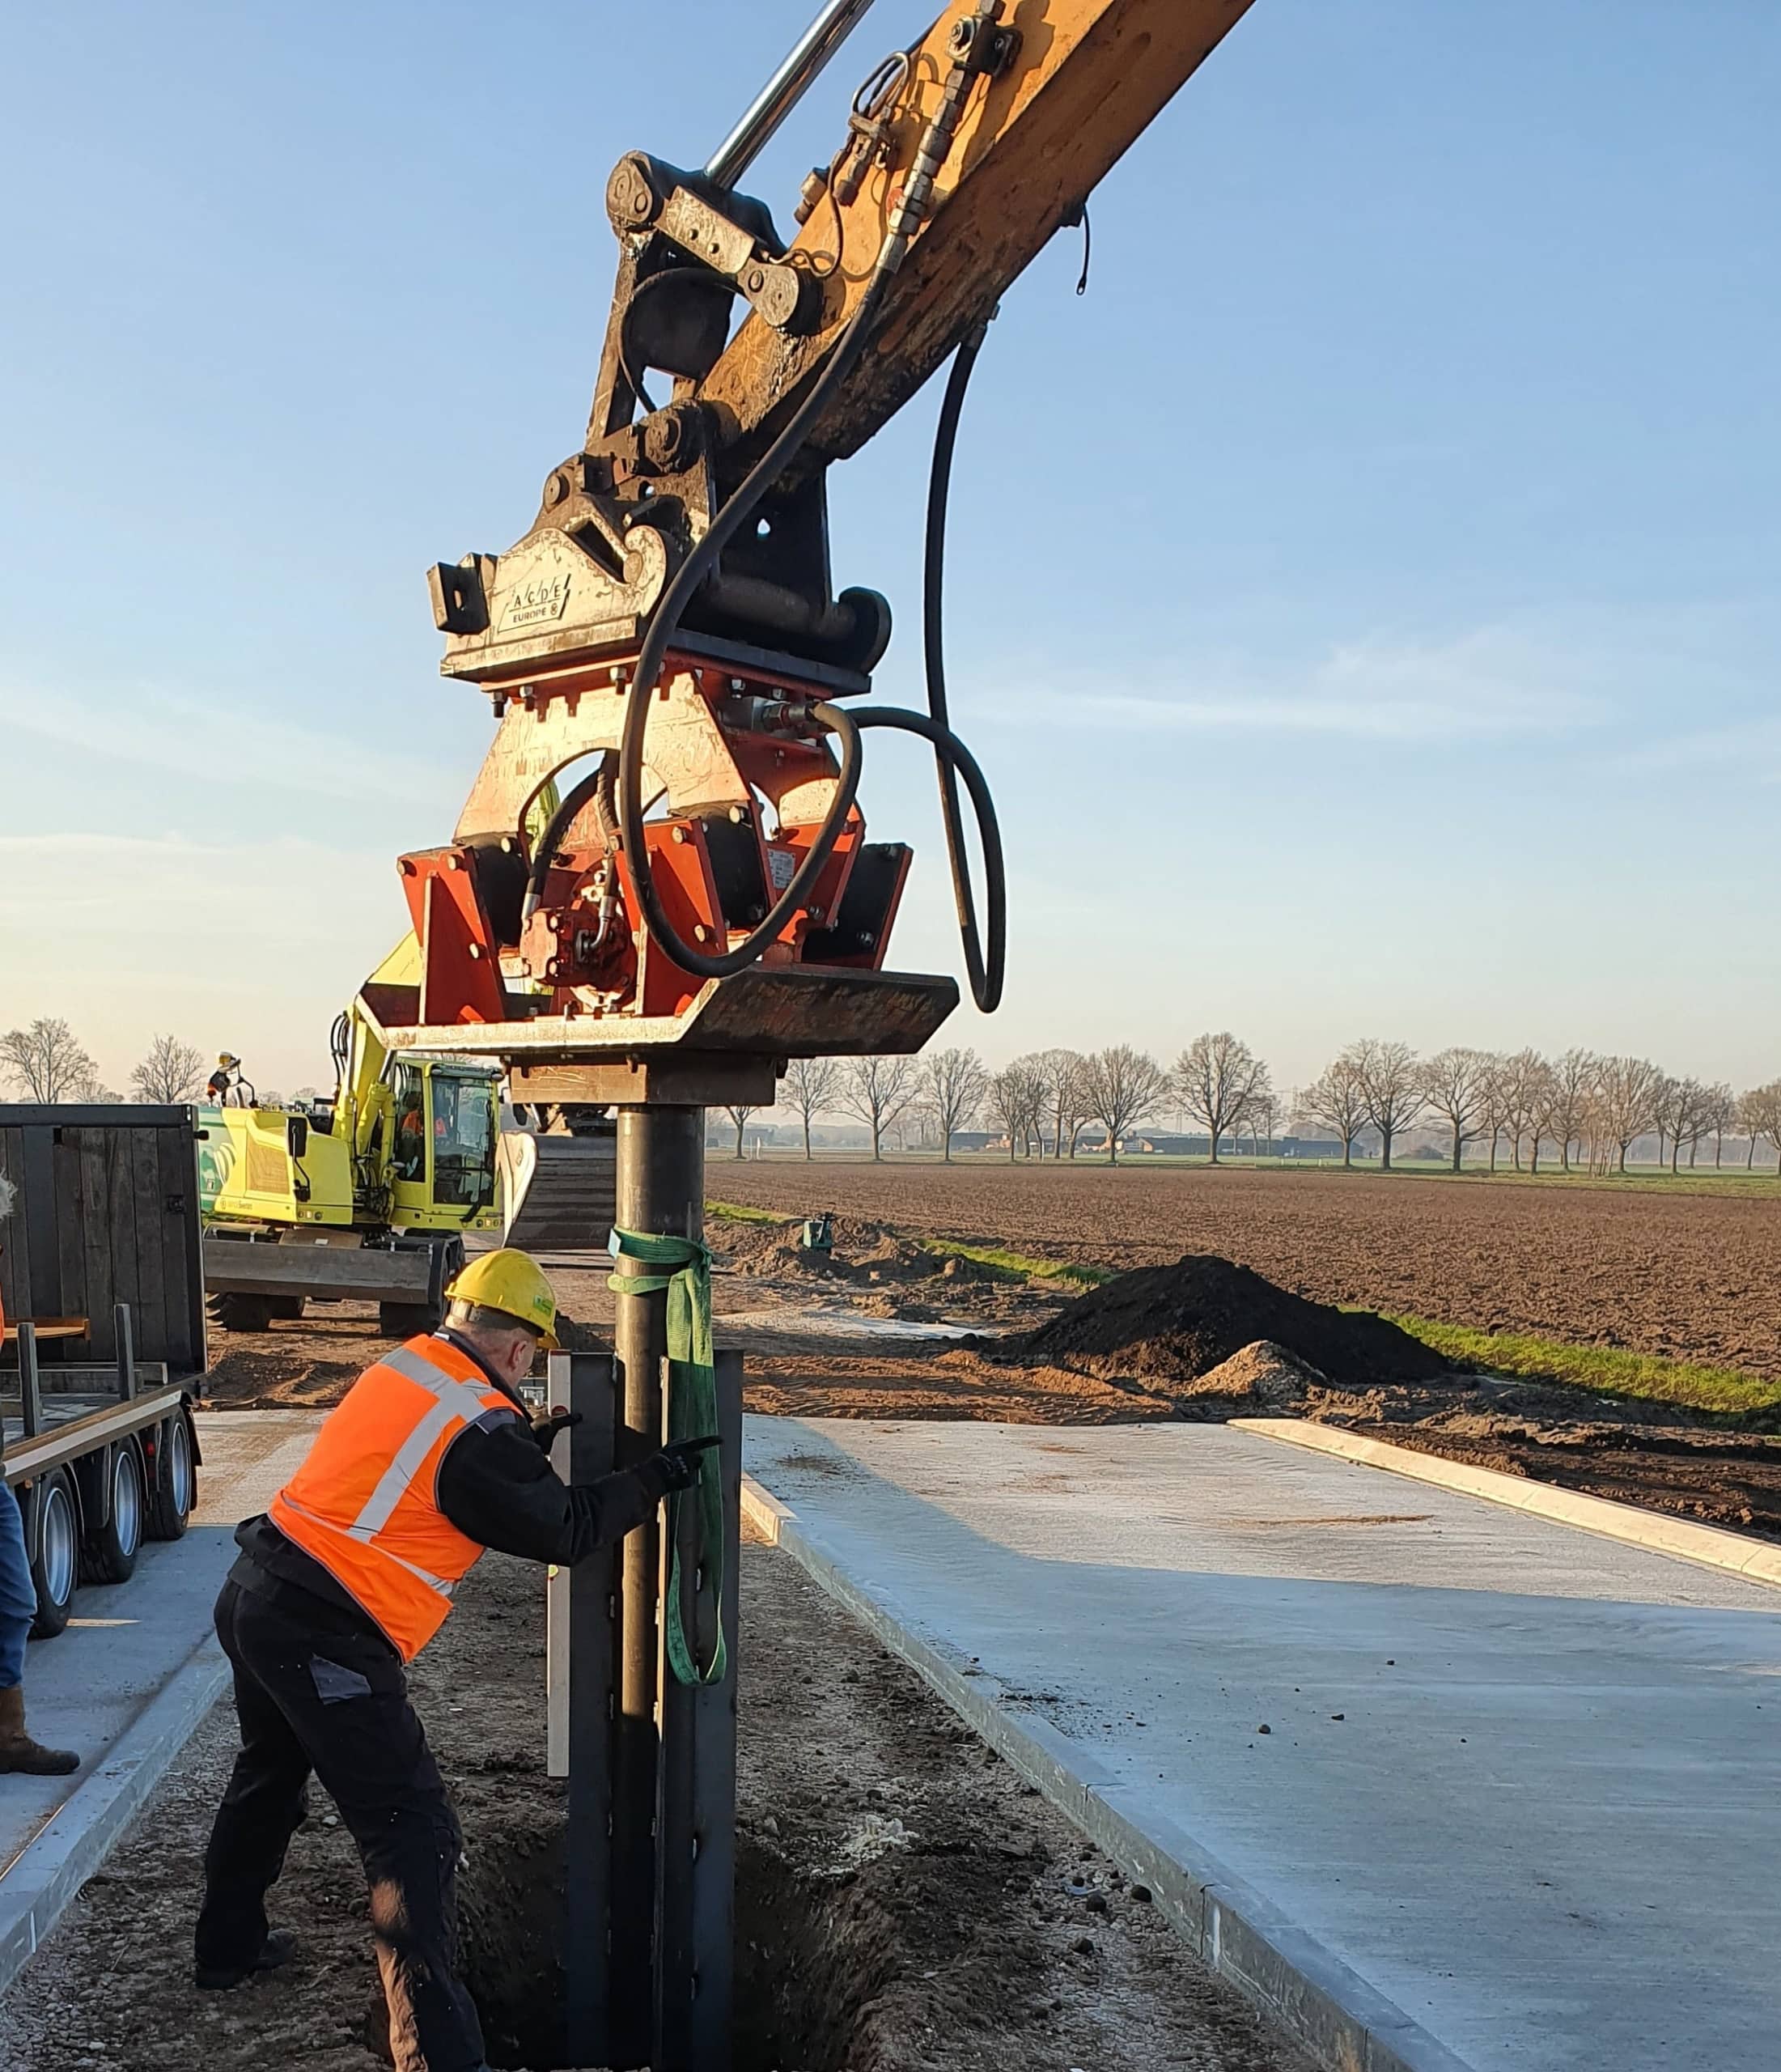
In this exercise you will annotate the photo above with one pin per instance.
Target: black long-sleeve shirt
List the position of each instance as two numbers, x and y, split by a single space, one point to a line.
495 1485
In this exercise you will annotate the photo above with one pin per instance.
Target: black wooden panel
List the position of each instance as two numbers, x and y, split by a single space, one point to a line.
109 1213
101 1239
182 1253
14 1246
148 1305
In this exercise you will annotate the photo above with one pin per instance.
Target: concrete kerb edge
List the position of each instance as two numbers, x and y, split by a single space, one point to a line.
1756 1561
1310 1993
50 1870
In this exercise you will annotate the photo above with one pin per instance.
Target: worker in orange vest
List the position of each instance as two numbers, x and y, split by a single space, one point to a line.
431 1457
18 1609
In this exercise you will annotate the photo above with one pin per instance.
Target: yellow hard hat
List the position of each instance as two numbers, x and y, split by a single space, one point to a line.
512 1281
228 1058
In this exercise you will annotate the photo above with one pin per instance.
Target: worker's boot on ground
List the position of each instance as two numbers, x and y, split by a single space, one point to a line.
18 1752
278 1948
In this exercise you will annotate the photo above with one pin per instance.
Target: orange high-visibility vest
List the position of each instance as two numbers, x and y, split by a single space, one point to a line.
364 1505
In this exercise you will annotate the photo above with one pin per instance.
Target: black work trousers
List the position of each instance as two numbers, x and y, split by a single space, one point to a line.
336 1702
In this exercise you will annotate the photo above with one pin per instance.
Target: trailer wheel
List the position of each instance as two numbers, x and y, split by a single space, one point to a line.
409 1319
235 1311
175 1485
55 1565
110 1552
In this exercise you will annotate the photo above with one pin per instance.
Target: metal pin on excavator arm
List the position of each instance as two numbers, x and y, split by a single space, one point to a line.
667 635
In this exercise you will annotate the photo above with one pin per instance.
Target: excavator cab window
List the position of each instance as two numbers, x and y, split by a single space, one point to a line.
409 1147
462 1139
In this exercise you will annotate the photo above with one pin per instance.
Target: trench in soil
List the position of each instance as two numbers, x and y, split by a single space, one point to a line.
812 1957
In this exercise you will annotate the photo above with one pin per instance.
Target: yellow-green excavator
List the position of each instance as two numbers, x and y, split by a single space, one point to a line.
371 1195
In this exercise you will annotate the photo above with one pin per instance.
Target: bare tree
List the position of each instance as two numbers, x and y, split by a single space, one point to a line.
738 1113
1217 1076
1261 1114
1124 1086
1573 1074
1390 1087
955 1083
1759 1113
47 1062
1623 1104
1721 1115
1686 1111
1009 1097
877 1090
1521 1099
810 1085
1543 1100
172 1072
1336 1099
1456 1085
1068 1091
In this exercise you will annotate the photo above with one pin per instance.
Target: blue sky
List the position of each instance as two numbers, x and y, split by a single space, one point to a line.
1365 598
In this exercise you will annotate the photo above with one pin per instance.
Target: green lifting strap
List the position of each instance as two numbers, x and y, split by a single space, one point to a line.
692 1414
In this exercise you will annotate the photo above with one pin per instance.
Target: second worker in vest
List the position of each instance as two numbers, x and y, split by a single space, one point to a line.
432 1457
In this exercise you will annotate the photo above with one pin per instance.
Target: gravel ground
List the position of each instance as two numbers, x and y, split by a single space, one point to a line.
902 1898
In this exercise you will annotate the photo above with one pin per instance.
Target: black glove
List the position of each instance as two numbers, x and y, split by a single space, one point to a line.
674 1467
544 1429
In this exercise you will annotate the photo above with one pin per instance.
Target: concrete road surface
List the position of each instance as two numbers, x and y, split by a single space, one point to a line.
137 1668
1523 1782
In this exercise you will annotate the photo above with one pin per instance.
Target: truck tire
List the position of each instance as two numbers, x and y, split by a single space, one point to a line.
409 1319
240 1312
108 1552
176 1480
55 1554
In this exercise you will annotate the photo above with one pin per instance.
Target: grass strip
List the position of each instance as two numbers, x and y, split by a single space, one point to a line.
735 1212
1013 1266
1606 1370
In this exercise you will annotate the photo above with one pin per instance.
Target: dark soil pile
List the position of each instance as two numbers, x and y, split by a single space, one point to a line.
1174 1324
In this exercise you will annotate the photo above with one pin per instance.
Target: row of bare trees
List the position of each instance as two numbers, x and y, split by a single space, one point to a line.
1041 1103
46 1061
1580 1105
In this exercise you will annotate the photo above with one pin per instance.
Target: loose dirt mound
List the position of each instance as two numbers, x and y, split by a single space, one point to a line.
861 1251
1176 1323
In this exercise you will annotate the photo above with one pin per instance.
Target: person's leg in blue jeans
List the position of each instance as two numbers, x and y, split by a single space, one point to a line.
18 1608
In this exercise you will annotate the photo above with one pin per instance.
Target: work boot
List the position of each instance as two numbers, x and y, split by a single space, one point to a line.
278 1947
18 1752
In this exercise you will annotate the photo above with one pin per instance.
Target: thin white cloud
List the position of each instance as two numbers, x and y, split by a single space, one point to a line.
1750 749
1486 685
154 729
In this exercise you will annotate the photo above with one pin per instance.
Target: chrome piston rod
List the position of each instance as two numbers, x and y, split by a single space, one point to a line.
783 91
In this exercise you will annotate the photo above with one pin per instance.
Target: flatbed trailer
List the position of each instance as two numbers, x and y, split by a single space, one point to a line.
101 1278
101 1460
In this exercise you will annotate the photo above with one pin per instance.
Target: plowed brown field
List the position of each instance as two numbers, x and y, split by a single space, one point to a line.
1681 1276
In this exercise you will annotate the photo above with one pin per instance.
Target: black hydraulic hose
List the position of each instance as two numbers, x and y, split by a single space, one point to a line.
985 972
662 626
956 760
598 785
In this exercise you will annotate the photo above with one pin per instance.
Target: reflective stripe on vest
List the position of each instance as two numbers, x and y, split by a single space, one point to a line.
363 1504
456 1402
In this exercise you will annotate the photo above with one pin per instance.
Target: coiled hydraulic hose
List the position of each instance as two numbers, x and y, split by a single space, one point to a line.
679 592
986 982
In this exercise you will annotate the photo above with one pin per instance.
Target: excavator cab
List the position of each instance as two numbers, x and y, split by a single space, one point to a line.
441 1144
